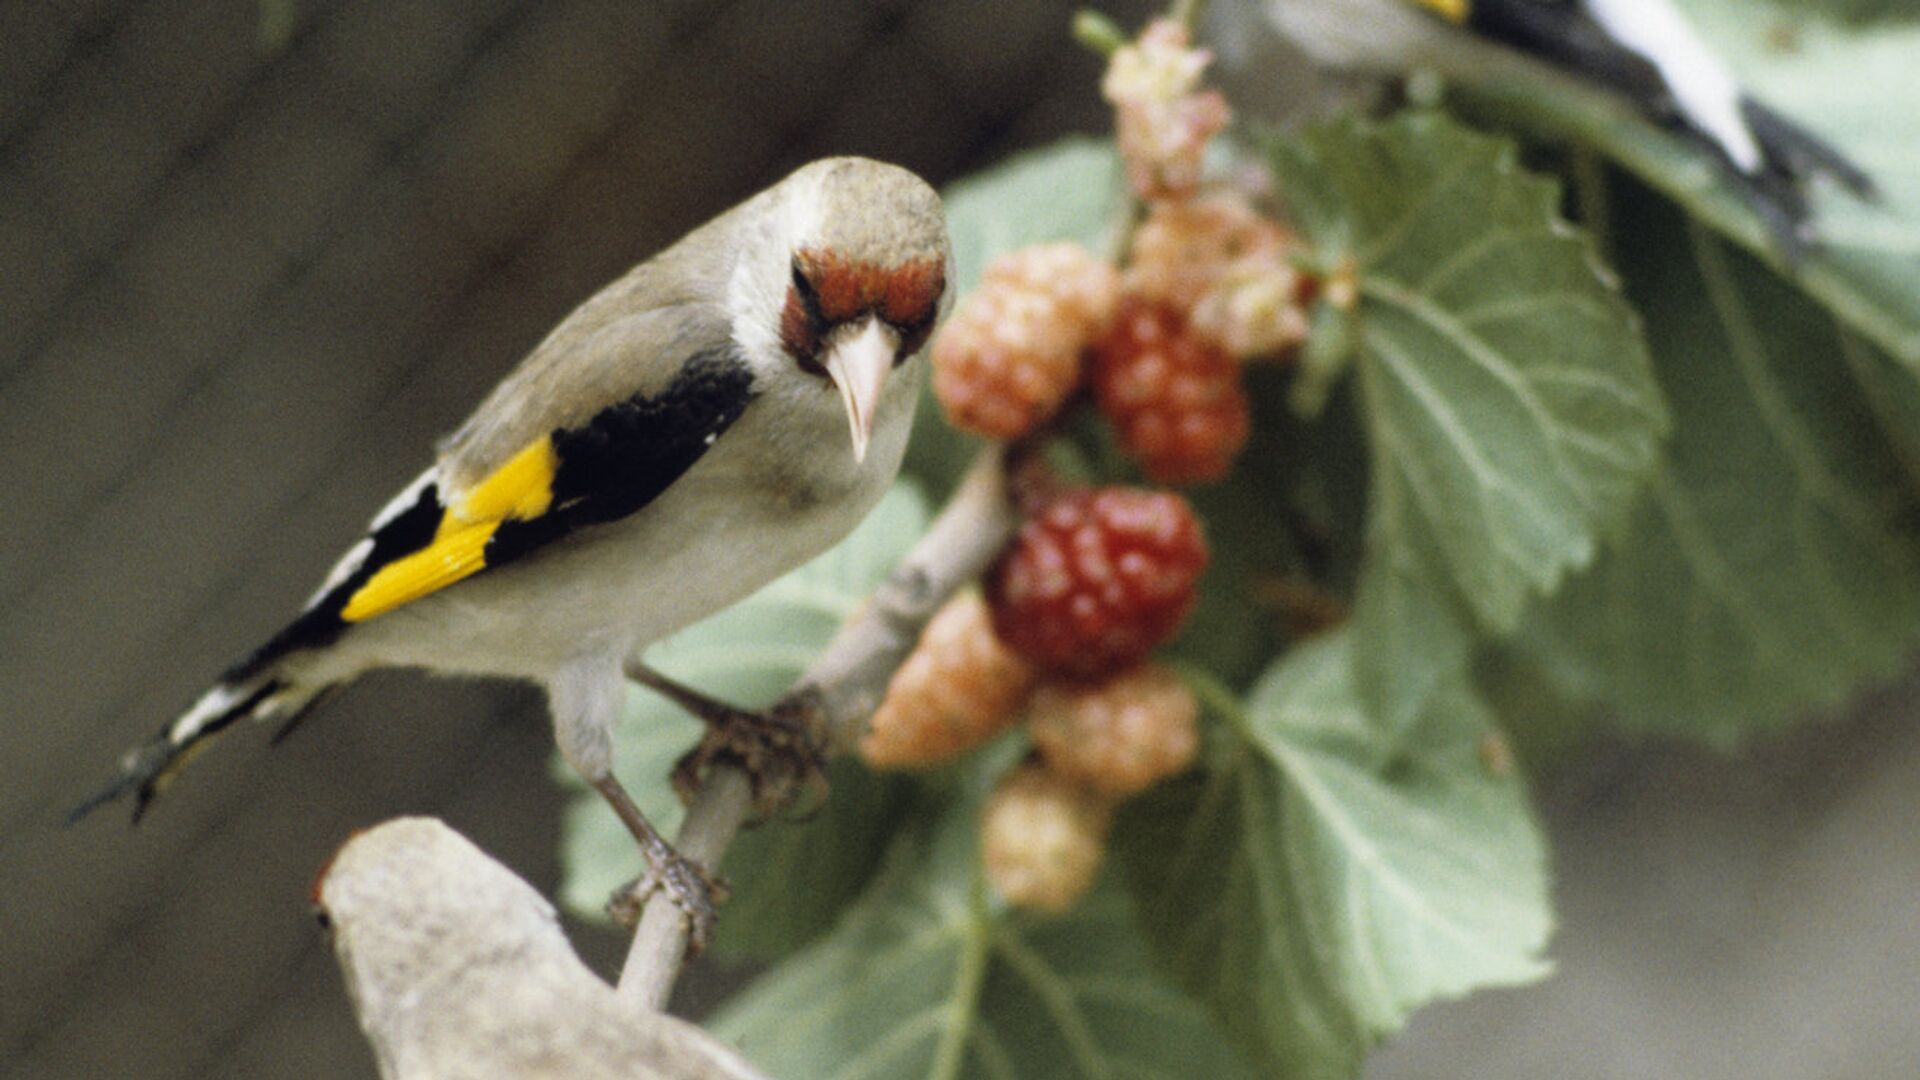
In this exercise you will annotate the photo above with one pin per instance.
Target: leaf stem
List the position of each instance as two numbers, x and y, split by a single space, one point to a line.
1214 694
950 1056
1058 999
1097 32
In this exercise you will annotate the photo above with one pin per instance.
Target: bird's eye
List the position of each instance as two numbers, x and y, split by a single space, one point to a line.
801 324
803 285
914 321
320 916
913 335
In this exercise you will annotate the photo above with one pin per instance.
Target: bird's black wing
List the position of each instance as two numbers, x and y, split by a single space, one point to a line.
615 463
1562 31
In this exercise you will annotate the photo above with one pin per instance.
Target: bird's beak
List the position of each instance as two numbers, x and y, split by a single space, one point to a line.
858 359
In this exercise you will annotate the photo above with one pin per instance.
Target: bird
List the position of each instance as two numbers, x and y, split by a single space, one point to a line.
459 970
1644 50
720 414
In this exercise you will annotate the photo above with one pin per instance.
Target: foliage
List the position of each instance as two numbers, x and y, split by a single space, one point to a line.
1314 898
1774 566
1507 395
928 976
1652 471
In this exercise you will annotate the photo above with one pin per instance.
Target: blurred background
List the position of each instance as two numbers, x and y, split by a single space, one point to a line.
255 257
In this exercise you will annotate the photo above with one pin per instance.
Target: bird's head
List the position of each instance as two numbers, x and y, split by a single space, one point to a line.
849 281
410 904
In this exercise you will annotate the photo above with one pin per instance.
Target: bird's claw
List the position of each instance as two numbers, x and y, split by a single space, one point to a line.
778 749
692 888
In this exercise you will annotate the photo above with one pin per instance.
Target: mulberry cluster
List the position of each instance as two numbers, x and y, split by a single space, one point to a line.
1093 582
1096 579
1208 283
1174 397
1229 268
1163 119
1043 830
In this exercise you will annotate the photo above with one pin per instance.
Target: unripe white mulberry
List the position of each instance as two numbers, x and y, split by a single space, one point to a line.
1042 838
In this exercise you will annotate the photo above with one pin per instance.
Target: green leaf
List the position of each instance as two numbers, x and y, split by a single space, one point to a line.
1222 634
1775 568
1507 393
1414 632
790 880
1313 897
1850 84
926 977
1892 394
1071 190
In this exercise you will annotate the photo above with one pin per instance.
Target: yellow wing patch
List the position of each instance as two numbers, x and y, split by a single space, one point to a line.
520 490
1450 10
451 557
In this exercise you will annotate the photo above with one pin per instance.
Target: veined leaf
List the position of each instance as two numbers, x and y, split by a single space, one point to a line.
1775 566
1314 897
790 880
1508 396
1416 632
926 977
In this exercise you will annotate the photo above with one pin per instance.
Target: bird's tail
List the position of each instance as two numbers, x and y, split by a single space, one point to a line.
147 769
1800 153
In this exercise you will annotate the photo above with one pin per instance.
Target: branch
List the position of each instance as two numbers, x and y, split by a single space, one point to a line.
841 688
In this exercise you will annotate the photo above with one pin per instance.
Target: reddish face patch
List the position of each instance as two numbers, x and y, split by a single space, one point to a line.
828 290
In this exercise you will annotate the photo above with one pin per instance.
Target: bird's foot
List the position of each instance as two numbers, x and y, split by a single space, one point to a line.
696 891
692 888
780 750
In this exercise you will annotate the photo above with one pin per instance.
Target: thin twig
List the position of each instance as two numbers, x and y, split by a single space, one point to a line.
842 687
660 941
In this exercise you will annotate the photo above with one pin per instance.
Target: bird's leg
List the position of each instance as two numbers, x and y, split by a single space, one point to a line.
585 699
780 749
688 884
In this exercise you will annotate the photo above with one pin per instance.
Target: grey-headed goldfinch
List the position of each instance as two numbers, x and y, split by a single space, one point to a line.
724 412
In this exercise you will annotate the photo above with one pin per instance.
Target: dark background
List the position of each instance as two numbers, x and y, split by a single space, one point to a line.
250 268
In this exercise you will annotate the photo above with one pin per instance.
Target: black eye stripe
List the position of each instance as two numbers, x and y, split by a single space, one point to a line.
809 296
913 336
